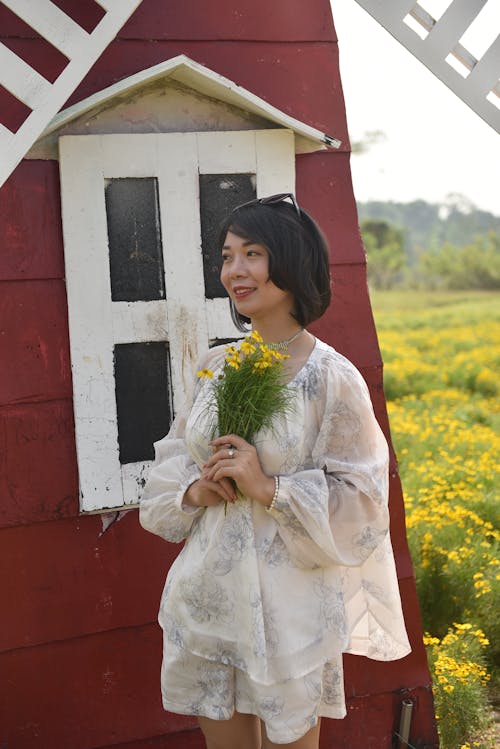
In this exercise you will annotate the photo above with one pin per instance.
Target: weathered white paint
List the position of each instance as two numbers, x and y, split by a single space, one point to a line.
441 41
21 80
185 319
44 98
219 322
206 82
4 137
90 321
274 165
134 477
147 321
51 23
179 214
217 155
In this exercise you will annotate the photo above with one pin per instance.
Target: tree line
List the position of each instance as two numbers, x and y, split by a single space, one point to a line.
438 247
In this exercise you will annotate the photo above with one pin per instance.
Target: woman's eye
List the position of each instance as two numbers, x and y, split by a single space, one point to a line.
225 257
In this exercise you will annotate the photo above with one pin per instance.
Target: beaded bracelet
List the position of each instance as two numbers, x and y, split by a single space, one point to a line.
275 495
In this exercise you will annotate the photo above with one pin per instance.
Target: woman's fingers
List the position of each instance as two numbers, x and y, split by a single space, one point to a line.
223 488
228 488
236 459
230 439
220 471
229 447
224 453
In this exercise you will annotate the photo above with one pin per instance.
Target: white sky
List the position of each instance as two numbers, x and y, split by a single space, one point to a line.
435 143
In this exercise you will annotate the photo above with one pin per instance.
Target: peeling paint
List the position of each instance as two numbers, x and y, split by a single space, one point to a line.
110 518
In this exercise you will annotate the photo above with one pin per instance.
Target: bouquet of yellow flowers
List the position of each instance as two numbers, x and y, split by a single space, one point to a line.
250 390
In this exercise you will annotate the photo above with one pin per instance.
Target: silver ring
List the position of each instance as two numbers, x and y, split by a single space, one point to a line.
231 452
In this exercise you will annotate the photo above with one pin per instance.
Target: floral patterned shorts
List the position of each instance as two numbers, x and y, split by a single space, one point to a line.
192 685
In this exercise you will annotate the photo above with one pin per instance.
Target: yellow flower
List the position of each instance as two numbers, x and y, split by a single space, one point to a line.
263 364
247 347
255 336
205 373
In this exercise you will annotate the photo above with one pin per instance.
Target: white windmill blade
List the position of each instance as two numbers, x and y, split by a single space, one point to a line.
44 98
437 44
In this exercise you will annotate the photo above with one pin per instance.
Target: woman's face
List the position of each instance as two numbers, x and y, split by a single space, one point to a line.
245 276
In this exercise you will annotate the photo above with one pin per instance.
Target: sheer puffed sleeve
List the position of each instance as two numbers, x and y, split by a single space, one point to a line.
161 510
336 511
174 470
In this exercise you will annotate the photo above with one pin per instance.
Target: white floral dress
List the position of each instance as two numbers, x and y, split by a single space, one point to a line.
279 594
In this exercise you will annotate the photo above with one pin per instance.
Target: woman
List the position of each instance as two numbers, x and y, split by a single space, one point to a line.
275 583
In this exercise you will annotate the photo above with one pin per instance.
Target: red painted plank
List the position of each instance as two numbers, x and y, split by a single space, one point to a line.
398 529
75 581
285 20
373 378
195 19
86 13
348 324
38 473
39 54
191 738
303 80
371 721
31 244
92 691
13 112
324 189
34 342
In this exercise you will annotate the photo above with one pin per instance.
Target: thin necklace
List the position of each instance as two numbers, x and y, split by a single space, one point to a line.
283 345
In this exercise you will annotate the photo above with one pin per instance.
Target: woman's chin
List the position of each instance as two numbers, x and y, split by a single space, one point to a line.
244 307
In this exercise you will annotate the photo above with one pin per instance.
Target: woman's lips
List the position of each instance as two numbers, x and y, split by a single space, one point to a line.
241 292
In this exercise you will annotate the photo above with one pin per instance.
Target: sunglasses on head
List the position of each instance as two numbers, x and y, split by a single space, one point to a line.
272 200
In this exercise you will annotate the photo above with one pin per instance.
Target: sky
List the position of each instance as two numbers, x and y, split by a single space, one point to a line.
434 143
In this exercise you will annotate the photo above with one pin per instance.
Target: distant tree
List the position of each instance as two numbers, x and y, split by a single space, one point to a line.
474 266
384 245
430 225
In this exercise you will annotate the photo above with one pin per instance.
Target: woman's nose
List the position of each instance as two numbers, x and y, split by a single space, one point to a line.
237 267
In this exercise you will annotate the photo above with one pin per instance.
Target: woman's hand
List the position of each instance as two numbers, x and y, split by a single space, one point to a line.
235 458
208 493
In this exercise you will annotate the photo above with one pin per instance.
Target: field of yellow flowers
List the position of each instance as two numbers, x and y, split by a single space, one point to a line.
441 354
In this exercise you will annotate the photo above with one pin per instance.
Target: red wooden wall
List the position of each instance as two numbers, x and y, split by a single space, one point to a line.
79 645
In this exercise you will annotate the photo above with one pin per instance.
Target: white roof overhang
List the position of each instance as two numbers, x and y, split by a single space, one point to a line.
206 82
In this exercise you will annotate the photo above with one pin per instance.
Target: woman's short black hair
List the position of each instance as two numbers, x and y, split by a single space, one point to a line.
298 254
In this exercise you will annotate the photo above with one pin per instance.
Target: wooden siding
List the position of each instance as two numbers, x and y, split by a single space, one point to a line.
80 649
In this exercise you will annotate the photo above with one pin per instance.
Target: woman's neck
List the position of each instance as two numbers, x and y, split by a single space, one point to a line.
276 331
